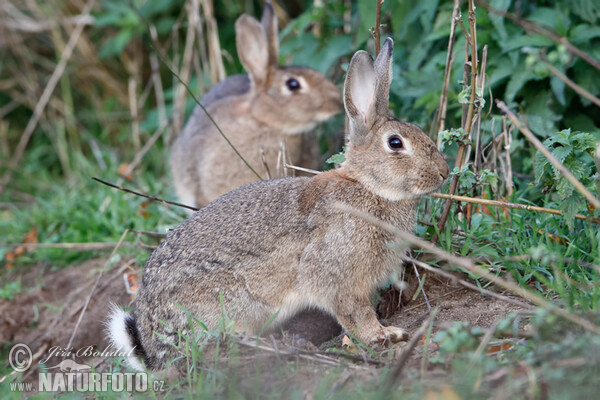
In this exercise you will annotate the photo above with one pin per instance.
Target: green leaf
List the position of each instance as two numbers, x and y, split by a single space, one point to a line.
562 152
116 44
337 158
518 79
583 33
558 88
540 163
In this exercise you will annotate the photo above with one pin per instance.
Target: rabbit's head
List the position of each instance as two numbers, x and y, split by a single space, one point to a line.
393 159
289 99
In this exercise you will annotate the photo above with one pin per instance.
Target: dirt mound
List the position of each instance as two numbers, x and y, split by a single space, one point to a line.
46 313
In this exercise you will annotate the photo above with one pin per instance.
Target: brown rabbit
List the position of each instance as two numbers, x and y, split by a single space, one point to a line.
281 246
271 108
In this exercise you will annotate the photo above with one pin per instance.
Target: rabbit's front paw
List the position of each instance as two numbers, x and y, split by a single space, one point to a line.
395 334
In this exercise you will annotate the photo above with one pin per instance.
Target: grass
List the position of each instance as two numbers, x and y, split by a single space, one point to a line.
52 191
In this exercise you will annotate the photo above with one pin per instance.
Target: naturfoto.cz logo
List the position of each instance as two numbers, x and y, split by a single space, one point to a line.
70 376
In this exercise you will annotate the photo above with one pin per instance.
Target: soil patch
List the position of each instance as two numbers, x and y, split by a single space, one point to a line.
46 313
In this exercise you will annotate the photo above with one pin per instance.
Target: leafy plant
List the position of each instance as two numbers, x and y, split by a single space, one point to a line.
576 151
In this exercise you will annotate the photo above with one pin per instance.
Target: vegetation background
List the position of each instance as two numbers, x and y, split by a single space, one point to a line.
90 89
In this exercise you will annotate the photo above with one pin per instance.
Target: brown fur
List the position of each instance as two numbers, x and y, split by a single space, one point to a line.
281 246
258 113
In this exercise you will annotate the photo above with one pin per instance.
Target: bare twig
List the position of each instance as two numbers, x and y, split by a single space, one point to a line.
468 120
377 33
557 164
133 110
480 86
69 246
153 198
443 106
94 288
532 27
464 283
421 287
519 206
193 8
407 350
45 97
302 169
158 86
581 91
598 165
147 146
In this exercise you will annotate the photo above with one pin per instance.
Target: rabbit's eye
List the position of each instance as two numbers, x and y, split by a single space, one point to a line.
292 84
395 143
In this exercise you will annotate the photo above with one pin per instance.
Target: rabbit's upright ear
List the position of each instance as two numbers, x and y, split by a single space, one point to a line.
383 70
359 96
253 50
269 23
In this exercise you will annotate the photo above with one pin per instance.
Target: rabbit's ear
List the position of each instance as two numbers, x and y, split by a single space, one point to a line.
359 96
251 42
269 23
383 70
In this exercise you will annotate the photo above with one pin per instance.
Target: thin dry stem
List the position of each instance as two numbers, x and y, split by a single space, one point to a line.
407 350
497 203
468 120
464 283
443 106
377 33
133 110
578 89
153 198
185 69
87 302
532 27
147 146
45 97
538 145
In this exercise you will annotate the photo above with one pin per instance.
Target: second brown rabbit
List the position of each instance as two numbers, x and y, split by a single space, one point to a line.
280 246
270 109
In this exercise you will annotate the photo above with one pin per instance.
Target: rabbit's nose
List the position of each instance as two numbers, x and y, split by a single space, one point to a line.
443 168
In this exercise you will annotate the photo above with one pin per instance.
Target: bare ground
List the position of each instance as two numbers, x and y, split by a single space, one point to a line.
46 313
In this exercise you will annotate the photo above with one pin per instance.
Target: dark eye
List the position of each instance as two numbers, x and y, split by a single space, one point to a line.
395 143
292 84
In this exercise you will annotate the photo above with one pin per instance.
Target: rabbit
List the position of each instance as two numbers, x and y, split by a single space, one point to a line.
279 246
271 106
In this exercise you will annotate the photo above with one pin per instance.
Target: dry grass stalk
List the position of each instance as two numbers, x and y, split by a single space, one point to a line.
45 97
377 31
578 89
407 350
507 168
464 283
480 86
217 69
67 246
87 302
133 110
532 27
147 146
468 120
443 106
467 264
253 343
497 203
538 145
598 164
193 12
153 198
